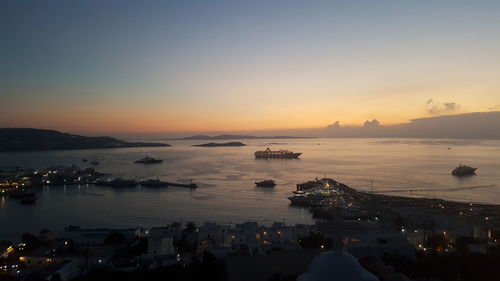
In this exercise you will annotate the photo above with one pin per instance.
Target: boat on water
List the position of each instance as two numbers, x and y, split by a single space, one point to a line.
306 200
276 154
463 170
154 183
317 192
118 182
84 160
148 160
314 184
265 183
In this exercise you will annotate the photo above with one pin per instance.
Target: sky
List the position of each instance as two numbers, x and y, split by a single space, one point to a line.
101 67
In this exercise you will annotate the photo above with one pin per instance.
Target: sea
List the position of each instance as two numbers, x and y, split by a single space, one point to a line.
226 177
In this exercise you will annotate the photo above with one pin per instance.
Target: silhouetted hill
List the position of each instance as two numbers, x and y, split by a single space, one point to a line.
233 137
15 139
214 144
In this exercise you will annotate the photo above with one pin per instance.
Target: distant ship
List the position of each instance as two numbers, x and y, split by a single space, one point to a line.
463 170
154 183
279 154
148 160
265 183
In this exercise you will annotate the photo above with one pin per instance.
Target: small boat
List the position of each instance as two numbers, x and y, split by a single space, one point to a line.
463 170
153 183
84 160
265 183
148 160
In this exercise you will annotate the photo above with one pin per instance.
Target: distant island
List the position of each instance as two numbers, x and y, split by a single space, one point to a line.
214 144
234 137
19 139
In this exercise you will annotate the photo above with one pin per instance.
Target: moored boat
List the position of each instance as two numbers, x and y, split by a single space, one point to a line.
463 170
314 184
265 183
306 200
277 154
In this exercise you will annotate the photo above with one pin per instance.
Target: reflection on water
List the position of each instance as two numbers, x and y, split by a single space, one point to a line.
226 177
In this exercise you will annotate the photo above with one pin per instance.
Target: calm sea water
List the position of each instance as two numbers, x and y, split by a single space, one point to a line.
226 177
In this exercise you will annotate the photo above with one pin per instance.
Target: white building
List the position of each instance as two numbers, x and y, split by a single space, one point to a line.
160 242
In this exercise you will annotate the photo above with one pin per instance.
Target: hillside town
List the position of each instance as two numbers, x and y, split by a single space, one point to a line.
404 233
76 252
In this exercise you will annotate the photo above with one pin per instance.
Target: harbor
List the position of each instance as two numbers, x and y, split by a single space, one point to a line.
321 196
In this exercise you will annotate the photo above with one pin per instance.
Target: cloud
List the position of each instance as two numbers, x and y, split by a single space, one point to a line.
435 108
496 107
334 125
371 124
451 106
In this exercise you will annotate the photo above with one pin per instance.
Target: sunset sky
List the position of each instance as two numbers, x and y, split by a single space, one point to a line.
169 66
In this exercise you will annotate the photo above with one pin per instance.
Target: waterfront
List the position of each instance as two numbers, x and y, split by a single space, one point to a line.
226 178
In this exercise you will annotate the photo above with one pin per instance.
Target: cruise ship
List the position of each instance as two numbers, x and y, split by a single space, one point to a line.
312 184
277 154
317 192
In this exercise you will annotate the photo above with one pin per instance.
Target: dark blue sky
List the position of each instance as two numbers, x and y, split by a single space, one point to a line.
172 62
